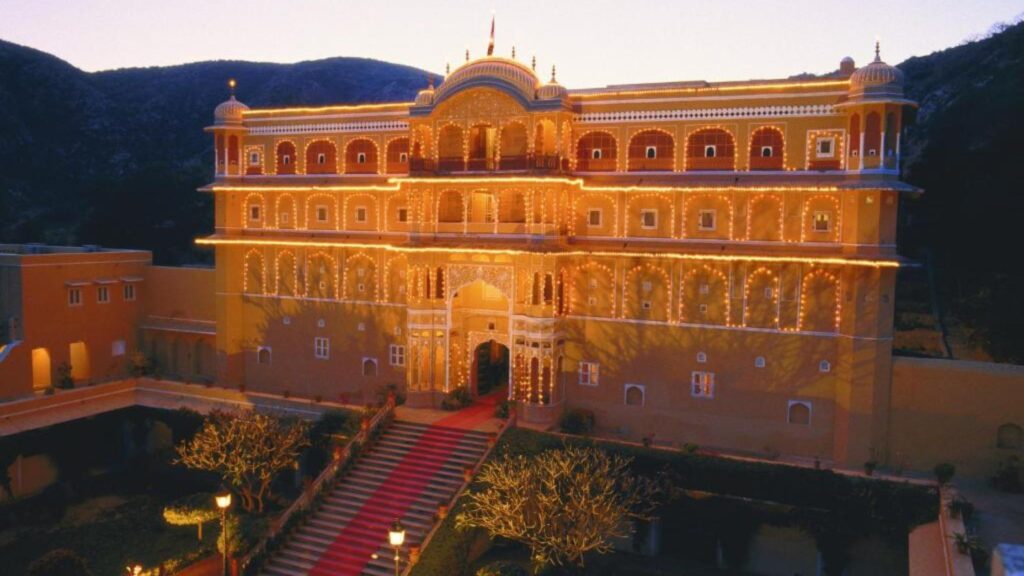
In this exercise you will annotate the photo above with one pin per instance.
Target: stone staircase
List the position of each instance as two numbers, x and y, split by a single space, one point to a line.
409 471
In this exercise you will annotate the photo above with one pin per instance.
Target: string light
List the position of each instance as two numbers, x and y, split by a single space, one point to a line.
711 89
756 153
265 112
279 155
247 204
750 210
697 130
726 303
687 200
333 222
667 283
837 306
278 212
774 279
294 272
376 154
808 204
838 154
647 130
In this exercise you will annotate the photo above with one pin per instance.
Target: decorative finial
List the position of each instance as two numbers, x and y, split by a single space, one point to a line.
467 54
533 64
430 81
231 85
878 49
553 74
447 68
490 44
513 51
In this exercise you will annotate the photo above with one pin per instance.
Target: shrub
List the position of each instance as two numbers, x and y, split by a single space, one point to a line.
59 562
139 365
192 509
869 467
244 531
501 568
457 399
944 472
383 391
577 421
64 379
502 409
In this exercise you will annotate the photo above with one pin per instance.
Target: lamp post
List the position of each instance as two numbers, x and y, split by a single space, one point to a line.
223 502
396 536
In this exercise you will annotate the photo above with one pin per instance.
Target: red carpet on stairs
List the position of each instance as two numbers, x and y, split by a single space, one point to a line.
352 549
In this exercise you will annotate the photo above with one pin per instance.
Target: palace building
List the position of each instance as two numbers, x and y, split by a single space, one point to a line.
702 262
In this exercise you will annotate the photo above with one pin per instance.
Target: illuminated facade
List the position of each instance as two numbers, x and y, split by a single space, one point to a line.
701 262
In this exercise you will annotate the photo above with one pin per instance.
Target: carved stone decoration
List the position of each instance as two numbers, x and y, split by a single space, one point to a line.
480 105
501 277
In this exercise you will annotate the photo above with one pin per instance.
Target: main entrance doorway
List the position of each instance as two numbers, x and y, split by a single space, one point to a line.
490 368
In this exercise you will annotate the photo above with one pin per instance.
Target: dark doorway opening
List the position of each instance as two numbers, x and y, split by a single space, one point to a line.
490 367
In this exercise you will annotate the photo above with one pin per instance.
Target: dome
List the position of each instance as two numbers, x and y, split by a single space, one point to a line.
551 91
425 97
229 112
491 70
877 79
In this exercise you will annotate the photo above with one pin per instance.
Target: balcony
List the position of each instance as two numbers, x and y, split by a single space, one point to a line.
650 164
713 163
520 163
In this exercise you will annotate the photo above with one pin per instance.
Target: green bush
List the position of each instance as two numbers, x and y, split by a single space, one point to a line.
64 378
502 409
244 531
457 399
577 421
501 568
59 562
944 473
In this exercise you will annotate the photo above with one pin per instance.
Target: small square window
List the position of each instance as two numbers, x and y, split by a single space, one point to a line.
649 219
254 212
766 152
74 297
825 147
769 293
701 357
702 384
117 348
129 292
286 159
403 158
706 220
710 151
759 362
103 294
396 355
589 373
651 152
822 221
646 304
646 286
704 289
321 347
592 301
321 213
361 158
703 309
361 215
403 215
263 355
634 395
594 217
799 412
360 287
254 158
321 158
824 366
596 154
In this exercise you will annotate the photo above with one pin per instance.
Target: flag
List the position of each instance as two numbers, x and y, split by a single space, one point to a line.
490 45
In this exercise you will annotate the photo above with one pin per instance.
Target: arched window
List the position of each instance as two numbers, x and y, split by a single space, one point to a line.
398 156
1010 437
596 152
450 207
651 150
439 284
855 135
767 148
321 158
710 149
361 157
450 149
285 158
634 395
873 135
263 355
513 147
369 366
799 412
233 154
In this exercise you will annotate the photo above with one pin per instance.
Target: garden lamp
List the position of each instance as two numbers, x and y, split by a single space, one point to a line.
223 500
396 536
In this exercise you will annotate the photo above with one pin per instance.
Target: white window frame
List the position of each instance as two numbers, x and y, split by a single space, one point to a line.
643 219
322 348
710 148
590 217
810 411
701 357
396 354
831 147
103 294
767 152
596 154
702 384
760 362
360 157
270 355
74 296
128 291
651 153
361 214
322 214
828 221
643 394
321 158
824 366
254 158
714 220
257 215
286 159
403 157
588 373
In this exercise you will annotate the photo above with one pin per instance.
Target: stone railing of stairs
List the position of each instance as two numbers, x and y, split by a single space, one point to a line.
412 472
311 497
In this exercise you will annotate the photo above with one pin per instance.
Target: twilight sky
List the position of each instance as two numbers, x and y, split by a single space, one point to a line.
593 42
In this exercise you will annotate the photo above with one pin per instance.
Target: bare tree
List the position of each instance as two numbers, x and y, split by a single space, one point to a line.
561 503
247 449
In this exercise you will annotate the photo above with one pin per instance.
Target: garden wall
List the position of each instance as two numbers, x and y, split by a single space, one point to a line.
951 411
